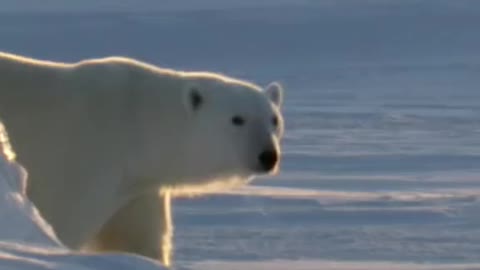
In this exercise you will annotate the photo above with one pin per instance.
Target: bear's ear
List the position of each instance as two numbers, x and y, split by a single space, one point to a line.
274 92
193 99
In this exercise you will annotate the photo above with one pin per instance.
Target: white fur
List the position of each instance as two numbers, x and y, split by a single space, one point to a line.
108 141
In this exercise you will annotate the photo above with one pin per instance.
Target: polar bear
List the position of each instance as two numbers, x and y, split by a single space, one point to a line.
108 141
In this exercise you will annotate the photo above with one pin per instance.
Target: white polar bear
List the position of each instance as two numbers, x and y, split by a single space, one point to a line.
107 142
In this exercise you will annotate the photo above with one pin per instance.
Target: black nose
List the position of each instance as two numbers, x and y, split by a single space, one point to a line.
268 159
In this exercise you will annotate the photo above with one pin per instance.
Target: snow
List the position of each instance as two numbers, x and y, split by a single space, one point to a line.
328 265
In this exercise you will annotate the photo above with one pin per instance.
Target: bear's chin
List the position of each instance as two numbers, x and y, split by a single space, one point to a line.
213 185
259 171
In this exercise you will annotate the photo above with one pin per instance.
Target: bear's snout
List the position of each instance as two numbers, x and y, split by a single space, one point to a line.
268 159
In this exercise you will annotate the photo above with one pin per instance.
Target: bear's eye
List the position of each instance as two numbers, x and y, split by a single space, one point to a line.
275 121
238 120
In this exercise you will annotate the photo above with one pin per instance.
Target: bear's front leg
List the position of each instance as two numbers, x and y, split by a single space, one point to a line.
143 226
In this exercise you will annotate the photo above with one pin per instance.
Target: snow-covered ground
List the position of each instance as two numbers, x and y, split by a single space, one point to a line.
382 147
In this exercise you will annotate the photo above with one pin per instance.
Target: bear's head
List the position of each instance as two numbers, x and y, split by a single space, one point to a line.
207 130
235 128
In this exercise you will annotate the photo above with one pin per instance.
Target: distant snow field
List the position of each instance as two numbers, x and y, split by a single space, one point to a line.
328 265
